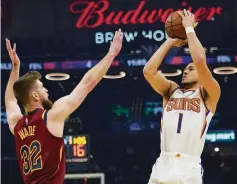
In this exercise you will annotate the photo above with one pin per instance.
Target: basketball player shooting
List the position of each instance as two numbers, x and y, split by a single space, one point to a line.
187 111
38 133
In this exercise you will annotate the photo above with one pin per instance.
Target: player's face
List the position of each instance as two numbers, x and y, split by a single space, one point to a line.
43 96
190 75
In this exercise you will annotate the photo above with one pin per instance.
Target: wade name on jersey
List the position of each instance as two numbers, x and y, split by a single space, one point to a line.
27 132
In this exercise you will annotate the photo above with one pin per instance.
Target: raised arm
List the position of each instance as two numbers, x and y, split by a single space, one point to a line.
12 109
63 107
158 82
206 79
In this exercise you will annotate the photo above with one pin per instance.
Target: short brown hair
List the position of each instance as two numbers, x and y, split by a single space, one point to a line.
23 85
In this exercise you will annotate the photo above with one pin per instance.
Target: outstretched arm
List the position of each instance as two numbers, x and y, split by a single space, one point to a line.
158 82
199 58
12 109
66 105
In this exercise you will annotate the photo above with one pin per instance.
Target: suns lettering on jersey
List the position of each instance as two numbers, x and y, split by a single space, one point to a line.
186 104
26 132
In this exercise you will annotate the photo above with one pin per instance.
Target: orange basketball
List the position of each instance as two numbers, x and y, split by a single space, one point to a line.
174 27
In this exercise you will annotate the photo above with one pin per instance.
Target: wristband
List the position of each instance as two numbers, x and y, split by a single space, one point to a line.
189 30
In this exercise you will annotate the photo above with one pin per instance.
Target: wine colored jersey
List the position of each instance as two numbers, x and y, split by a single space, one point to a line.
41 155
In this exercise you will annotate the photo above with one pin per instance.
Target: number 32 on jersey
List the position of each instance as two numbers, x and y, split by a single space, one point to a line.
31 157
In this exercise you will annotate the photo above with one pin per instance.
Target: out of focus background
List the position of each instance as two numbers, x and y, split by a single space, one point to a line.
115 133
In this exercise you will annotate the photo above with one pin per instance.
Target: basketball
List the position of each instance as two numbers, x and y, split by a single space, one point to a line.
174 27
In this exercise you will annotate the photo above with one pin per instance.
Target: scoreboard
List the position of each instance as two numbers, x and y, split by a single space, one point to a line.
77 150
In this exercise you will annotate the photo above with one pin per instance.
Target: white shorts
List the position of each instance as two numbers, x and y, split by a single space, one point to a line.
173 168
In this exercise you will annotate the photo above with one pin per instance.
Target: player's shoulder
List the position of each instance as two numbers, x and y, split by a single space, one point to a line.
207 100
203 93
15 120
173 87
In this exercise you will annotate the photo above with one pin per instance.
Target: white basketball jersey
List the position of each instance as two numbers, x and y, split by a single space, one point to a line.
184 123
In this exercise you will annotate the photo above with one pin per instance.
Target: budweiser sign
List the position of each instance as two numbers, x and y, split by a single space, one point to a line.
94 14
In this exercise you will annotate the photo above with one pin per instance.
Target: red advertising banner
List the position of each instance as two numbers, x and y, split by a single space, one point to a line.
94 14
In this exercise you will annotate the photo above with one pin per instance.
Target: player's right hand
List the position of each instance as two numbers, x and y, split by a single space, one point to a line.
12 53
116 44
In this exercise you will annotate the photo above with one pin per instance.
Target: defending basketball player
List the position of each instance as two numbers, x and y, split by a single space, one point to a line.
38 133
187 111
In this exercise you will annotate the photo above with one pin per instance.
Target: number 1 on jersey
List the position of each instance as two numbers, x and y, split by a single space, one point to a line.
180 123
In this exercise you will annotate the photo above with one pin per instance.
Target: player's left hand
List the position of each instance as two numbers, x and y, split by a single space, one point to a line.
177 42
188 19
12 53
116 44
